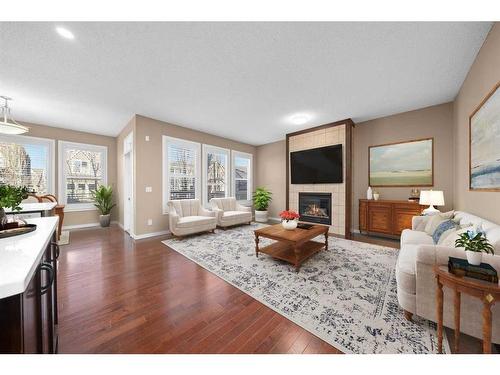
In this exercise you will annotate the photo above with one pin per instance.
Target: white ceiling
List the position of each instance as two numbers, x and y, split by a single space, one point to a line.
237 80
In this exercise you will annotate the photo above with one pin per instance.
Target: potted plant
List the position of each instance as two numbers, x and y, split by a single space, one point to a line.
261 199
289 219
10 197
475 243
103 198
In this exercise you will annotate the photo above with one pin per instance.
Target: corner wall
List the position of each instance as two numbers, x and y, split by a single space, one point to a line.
77 218
482 77
435 122
148 168
271 174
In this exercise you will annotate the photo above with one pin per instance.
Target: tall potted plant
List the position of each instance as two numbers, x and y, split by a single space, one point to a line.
475 243
10 197
261 199
103 198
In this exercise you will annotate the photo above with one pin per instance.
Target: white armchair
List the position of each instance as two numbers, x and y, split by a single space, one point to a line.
187 216
229 212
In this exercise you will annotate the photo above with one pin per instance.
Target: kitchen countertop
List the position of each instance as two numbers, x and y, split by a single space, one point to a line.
34 207
20 255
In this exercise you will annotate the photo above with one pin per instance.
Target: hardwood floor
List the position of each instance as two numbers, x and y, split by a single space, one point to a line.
121 296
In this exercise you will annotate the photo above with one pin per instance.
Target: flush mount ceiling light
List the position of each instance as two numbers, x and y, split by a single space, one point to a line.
299 119
7 124
65 33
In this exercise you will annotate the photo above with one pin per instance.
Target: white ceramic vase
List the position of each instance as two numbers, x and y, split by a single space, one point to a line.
289 224
261 216
376 196
474 257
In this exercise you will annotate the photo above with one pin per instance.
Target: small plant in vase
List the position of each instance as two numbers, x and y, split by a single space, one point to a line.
261 199
10 197
103 198
475 243
289 219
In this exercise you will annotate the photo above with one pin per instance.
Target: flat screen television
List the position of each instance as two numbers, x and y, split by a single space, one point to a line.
317 166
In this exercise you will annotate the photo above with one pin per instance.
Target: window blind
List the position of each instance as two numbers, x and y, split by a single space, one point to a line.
182 171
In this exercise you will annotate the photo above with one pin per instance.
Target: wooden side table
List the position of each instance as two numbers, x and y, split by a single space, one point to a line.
488 293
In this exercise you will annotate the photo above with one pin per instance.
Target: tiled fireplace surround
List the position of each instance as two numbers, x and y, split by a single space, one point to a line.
323 136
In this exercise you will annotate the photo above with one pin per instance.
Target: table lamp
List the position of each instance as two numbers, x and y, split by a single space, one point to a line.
432 198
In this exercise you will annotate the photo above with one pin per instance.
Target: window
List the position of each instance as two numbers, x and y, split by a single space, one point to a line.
27 161
215 173
242 176
181 166
81 167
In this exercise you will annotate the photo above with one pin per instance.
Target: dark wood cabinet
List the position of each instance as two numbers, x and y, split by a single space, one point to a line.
386 216
28 321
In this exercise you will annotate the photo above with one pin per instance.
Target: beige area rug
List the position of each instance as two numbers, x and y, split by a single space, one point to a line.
345 295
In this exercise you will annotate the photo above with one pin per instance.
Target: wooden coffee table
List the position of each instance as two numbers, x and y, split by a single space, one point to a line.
292 246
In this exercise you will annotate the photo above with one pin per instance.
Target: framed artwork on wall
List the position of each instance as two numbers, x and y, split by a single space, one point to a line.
402 164
484 144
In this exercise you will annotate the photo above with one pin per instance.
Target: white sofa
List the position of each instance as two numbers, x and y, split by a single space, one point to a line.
416 283
229 212
187 216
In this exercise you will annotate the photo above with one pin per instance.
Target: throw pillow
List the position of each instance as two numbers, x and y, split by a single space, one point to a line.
441 228
437 219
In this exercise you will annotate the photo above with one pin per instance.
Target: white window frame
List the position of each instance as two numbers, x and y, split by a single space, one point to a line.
51 163
209 149
245 155
62 146
166 141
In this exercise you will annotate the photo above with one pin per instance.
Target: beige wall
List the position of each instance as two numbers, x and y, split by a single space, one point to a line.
482 77
435 122
271 174
148 167
59 134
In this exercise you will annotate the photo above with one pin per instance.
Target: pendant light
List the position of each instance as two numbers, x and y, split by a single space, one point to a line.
7 124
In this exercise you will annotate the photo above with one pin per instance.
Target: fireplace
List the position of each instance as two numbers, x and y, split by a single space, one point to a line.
315 207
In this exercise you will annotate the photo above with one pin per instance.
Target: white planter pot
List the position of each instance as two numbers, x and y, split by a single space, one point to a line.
289 224
474 257
261 216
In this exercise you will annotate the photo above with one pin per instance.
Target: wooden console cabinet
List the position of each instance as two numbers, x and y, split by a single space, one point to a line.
388 217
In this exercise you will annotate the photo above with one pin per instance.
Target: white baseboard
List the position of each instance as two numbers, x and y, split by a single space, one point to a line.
82 226
149 235
355 231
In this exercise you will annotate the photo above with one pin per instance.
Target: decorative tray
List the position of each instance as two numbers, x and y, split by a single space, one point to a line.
16 231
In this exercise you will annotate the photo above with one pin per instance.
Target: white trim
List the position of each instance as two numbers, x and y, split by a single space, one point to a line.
51 155
220 150
149 235
128 149
244 155
62 146
166 140
87 225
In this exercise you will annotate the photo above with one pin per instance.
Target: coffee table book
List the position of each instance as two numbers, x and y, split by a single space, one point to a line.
460 267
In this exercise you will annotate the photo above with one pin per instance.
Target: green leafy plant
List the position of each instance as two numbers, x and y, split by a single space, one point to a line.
474 241
262 198
103 198
12 196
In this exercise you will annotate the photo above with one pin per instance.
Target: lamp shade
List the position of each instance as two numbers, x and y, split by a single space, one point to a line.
432 197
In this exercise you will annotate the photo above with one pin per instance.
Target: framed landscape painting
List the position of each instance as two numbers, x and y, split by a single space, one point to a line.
484 148
402 164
